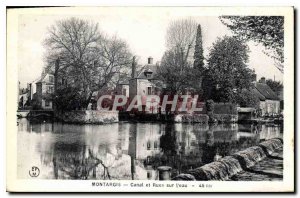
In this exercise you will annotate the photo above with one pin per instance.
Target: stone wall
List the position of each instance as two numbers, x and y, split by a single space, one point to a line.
89 117
225 118
196 118
228 166
22 113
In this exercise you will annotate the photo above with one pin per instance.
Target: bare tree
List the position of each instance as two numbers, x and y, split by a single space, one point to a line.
88 60
181 35
176 68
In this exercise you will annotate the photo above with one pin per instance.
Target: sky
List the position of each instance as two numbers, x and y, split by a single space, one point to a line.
144 31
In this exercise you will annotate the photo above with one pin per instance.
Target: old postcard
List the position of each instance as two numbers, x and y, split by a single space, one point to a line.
150 99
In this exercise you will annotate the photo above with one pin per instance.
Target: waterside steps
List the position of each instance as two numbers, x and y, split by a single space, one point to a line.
229 166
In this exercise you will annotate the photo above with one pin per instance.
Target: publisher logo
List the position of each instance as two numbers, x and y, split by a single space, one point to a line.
34 171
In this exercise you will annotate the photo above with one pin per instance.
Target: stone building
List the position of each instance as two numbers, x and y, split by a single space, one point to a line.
44 89
269 102
142 82
23 97
122 88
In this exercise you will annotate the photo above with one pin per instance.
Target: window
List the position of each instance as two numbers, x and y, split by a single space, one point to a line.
47 103
51 79
50 89
149 91
124 92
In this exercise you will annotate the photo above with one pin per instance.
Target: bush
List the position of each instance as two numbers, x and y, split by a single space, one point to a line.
210 105
247 98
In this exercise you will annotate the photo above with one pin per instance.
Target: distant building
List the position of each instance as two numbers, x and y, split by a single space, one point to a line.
23 97
122 88
44 91
269 101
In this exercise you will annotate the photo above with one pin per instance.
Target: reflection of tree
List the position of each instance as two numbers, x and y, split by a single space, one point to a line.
76 161
225 148
168 140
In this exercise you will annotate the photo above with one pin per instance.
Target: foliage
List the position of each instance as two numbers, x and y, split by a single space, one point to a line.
276 86
268 30
68 98
175 76
198 62
225 108
247 98
227 72
198 55
210 105
87 58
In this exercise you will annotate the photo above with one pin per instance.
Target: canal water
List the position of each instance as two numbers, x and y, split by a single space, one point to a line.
129 150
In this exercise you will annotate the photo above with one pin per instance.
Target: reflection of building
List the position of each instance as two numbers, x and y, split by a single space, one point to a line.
269 132
148 140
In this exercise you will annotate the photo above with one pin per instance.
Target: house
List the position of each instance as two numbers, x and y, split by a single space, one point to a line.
44 89
24 97
269 101
143 82
122 88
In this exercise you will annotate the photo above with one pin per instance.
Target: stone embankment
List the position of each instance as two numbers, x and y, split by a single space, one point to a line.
89 117
248 164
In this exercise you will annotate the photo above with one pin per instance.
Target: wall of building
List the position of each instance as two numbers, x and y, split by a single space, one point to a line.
133 88
269 107
142 86
120 89
43 105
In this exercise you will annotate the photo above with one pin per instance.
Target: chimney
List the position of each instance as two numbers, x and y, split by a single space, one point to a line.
133 67
254 77
150 60
263 80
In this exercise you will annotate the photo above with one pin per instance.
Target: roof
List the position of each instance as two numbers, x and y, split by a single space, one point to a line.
258 94
264 90
123 82
148 68
43 77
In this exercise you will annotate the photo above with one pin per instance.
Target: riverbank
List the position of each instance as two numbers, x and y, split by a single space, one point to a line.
269 169
249 164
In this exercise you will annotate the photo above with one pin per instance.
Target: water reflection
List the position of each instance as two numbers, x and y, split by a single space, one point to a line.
128 150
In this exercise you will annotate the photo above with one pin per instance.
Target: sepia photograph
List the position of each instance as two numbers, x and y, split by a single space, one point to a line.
148 99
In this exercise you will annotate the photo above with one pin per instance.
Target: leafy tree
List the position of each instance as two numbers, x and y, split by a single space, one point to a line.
276 86
88 59
198 61
175 78
268 30
198 55
67 98
246 98
227 72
